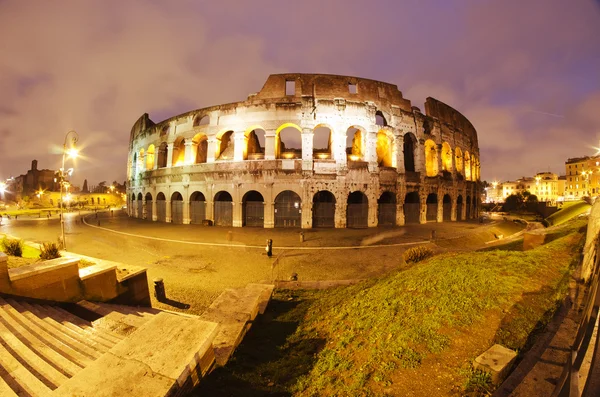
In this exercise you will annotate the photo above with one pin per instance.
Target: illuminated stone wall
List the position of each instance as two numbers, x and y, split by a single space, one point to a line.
307 133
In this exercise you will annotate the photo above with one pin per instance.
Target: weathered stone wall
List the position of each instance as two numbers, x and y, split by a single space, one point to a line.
589 251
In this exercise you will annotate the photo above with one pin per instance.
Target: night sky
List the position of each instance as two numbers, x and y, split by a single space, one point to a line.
525 73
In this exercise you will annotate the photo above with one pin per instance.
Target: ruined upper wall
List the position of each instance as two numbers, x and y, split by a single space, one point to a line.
449 115
140 125
334 86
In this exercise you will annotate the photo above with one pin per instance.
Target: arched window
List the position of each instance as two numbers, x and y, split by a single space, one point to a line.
288 142
458 160
431 160
178 152
355 144
163 151
255 144
322 142
200 145
225 146
150 158
380 119
384 149
446 157
199 121
409 152
467 166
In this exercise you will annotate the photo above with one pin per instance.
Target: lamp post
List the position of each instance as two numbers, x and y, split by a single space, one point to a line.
72 152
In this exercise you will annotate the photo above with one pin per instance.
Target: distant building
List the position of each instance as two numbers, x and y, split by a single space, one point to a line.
31 182
583 177
546 186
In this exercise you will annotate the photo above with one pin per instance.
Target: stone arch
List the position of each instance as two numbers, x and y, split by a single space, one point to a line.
458 160
201 120
176 208
323 209
459 207
161 207
468 209
357 210
225 145
410 142
223 204
447 156
163 151
200 148
380 119
385 149
197 208
356 138
447 208
432 207
178 152
288 208
323 142
467 166
254 143
253 209
386 209
412 208
431 158
150 157
288 143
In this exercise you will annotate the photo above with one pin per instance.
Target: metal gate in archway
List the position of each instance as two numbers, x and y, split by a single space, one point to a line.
468 216
161 210
447 210
254 213
357 211
223 213
323 209
177 211
412 208
288 209
432 207
140 204
386 209
197 211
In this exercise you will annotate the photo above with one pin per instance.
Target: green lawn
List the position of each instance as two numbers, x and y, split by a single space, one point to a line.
569 211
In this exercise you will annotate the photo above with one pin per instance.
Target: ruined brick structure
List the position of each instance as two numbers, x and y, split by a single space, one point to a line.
307 150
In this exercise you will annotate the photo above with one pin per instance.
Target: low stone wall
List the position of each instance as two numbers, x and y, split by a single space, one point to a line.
589 253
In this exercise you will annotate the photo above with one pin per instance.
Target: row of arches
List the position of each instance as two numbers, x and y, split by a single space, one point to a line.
450 160
288 208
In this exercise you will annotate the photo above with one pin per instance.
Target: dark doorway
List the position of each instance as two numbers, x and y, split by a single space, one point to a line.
323 209
357 211
288 209
412 208
223 209
432 207
447 208
386 209
177 208
197 208
253 209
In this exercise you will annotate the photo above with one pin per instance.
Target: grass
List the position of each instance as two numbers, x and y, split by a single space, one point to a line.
375 337
567 212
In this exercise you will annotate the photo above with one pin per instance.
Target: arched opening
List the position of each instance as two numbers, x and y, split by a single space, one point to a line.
322 143
431 158
288 209
355 144
134 164
409 152
200 145
177 208
255 144
161 207
384 149
164 131
178 152
197 208
163 151
468 216
288 142
380 119
253 209
459 207
357 210
323 209
432 207
458 160
150 158
446 157
447 203
225 146
131 204
147 205
412 208
140 204
386 209
201 120
141 166
467 166
223 204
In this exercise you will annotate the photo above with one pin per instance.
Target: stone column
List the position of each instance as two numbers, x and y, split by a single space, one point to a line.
463 211
400 221
419 156
423 209
186 211
239 140
438 151
307 152
399 153
440 208
372 217
269 214
190 153
154 215
270 152
144 209
170 155
306 214
339 219
237 213
338 150
211 149
371 151
168 211
453 210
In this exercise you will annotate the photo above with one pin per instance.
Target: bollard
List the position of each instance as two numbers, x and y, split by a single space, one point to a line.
301 237
159 289
269 247
433 234
98 222
229 235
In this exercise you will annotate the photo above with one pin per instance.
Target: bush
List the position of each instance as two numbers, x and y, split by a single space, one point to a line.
417 254
49 251
12 246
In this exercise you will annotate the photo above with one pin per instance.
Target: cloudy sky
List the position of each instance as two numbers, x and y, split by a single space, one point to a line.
525 72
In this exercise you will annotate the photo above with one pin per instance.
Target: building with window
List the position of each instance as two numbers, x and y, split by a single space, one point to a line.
546 186
583 177
307 150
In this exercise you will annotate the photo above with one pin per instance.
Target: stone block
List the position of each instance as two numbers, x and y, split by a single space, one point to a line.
237 301
496 361
56 279
99 282
533 240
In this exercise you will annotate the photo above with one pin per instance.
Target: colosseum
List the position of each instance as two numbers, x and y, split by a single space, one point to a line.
307 150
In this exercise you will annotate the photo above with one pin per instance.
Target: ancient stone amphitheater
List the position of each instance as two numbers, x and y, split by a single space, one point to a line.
307 150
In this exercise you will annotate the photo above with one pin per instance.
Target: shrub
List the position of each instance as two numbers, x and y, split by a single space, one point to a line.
49 251
417 254
12 246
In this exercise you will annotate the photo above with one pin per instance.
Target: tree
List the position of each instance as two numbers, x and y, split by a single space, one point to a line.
85 187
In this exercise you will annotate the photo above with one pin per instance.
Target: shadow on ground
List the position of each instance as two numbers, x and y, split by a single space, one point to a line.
266 364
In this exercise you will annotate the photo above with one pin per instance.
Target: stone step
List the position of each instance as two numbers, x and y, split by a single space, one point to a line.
18 378
67 360
264 291
46 372
114 319
102 336
5 389
237 301
104 309
230 332
77 352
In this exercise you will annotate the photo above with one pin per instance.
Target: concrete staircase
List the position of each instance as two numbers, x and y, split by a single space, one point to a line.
46 350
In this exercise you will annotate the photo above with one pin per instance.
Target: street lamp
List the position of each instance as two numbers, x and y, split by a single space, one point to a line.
72 153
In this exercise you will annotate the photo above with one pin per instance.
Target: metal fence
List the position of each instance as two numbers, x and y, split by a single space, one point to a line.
357 215
447 212
161 210
197 211
323 214
177 211
387 214
412 212
287 215
223 213
254 213
432 212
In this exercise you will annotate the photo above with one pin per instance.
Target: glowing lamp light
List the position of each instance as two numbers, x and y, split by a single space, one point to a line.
2 187
178 163
288 155
73 153
323 155
68 197
354 157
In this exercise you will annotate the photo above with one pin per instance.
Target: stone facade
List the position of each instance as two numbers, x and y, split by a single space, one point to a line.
308 150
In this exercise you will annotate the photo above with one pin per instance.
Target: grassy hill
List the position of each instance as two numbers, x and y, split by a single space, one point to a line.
569 211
